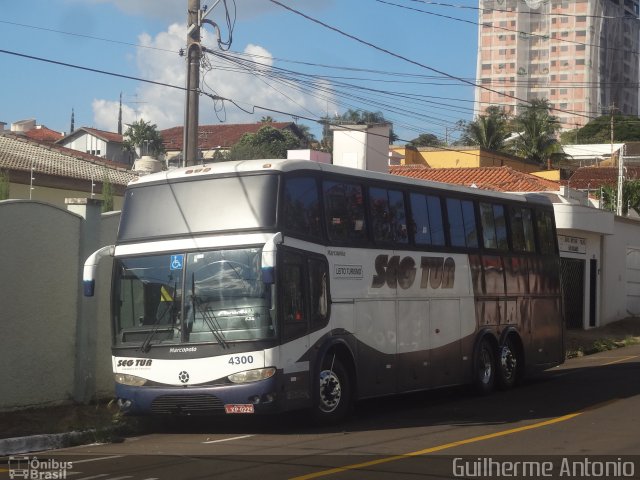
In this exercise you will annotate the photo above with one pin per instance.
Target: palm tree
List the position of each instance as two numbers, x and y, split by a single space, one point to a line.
143 138
488 131
537 129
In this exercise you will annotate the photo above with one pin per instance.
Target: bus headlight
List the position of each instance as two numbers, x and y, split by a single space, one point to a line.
131 380
252 375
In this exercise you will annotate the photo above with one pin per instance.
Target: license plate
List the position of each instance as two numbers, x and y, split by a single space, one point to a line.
238 408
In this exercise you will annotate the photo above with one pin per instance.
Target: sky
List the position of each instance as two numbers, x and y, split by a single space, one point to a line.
411 60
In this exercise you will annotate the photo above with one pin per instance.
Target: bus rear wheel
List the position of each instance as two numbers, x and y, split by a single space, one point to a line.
484 368
509 363
333 395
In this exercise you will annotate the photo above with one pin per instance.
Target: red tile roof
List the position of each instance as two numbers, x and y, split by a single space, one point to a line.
44 134
595 177
103 134
501 179
214 136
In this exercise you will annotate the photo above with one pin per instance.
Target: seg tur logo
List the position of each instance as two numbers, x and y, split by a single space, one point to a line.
435 272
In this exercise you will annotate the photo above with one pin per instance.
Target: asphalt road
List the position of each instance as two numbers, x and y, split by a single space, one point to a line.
580 420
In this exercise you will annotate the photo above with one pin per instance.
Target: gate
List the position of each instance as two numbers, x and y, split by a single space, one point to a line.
572 277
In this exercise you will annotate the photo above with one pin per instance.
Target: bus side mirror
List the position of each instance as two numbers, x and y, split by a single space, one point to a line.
90 267
269 259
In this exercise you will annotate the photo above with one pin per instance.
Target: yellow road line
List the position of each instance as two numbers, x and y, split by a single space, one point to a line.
623 359
437 448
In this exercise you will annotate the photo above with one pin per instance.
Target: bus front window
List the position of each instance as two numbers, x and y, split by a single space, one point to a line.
148 293
202 297
226 299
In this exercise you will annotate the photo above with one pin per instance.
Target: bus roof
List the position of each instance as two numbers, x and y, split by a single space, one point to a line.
208 170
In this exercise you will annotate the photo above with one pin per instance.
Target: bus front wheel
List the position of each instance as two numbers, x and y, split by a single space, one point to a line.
333 395
484 368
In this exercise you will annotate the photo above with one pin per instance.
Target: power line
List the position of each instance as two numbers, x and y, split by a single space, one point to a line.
520 32
91 37
406 59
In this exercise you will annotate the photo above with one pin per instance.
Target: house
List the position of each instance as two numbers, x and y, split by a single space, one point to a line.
50 173
31 129
461 157
99 143
214 139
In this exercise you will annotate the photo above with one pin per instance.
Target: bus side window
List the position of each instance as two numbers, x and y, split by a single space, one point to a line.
462 223
522 229
544 222
344 207
494 227
388 218
301 207
428 227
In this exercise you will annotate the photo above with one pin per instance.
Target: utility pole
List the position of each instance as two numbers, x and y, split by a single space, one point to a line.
190 136
621 154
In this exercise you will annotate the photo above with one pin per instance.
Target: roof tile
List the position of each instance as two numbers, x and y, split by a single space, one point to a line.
501 179
585 178
20 153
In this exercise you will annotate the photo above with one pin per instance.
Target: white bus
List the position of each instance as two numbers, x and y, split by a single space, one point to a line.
271 285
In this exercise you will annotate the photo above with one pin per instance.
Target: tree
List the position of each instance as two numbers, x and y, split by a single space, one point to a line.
537 131
308 138
268 142
630 196
625 129
425 140
143 138
487 131
267 119
107 193
4 185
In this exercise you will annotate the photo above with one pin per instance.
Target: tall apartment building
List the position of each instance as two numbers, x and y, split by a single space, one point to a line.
581 55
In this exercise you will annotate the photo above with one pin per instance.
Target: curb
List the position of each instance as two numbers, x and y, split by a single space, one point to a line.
35 443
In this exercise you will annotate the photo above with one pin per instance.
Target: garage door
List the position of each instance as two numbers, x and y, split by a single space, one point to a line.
633 281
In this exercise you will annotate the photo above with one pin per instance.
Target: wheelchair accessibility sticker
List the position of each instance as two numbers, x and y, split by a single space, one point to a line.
177 261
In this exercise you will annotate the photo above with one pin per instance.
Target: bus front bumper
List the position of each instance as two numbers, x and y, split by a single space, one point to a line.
255 397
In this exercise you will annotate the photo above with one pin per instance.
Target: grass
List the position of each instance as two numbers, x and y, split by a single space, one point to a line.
602 345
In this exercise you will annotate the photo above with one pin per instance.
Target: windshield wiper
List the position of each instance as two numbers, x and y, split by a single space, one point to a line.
146 345
207 315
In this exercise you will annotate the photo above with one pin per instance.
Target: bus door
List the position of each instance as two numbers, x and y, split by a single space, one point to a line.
304 308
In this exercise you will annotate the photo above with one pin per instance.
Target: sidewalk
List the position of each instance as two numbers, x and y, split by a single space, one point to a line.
56 427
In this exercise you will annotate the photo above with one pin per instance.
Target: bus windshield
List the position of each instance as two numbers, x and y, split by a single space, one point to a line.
159 210
215 296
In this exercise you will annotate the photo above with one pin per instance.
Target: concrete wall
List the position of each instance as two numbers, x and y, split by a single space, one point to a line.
54 348
617 279
56 196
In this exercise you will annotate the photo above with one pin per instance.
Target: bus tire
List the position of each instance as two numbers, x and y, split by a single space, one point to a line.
333 392
509 363
484 367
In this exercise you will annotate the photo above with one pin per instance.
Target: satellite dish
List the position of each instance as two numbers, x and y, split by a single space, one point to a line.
534 4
